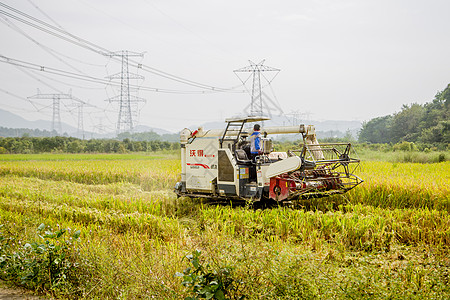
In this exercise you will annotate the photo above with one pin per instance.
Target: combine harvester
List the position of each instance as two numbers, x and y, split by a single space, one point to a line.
216 164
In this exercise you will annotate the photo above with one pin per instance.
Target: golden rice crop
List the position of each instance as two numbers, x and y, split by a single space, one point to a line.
390 237
403 185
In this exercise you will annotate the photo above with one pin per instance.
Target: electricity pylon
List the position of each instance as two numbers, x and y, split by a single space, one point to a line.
125 99
260 101
56 119
100 128
80 127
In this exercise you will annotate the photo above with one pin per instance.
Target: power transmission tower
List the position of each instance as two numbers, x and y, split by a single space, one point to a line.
80 127
295 117
125 99
56 119
100 128
260 101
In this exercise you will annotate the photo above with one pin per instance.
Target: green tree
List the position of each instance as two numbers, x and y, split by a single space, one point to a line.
428 124
75 147
435 123
406 123
94 146
376 130
22 146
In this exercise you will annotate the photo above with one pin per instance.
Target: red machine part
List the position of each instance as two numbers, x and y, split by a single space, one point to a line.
280 187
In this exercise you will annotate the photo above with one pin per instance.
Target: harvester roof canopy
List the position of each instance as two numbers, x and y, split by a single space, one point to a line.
247 119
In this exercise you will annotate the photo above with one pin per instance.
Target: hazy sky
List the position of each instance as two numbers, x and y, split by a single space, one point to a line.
339 60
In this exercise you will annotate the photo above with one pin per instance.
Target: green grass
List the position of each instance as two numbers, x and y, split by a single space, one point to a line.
402 156
387 239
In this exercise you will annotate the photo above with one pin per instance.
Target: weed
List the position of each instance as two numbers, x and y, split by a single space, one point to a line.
45 265
204 282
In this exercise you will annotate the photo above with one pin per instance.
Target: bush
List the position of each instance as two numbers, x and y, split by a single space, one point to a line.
59 144
404 146
203 282
43 265
74 147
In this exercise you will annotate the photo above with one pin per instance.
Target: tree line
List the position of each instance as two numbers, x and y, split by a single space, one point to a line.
25 145
149 136
17 132
427 124
136 136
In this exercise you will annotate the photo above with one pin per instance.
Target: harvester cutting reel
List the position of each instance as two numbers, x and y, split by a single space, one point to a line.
318 170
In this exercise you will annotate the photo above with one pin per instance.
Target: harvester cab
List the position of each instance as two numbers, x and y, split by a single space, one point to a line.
217 164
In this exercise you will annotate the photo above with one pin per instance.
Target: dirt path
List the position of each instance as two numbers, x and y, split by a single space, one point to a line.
16 293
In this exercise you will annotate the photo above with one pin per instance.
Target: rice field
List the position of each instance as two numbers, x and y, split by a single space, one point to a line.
388 238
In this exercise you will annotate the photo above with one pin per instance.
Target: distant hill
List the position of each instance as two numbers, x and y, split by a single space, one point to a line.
10 120
12 125
328 125
15 125
145 128
324 129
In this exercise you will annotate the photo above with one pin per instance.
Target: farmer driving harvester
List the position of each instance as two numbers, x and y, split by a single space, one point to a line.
255 142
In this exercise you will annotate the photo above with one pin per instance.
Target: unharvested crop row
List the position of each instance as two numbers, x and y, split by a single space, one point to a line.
407 185
141 262
353 227
387 185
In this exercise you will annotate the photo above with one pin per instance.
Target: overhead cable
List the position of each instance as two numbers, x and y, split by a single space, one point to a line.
41 68
62 34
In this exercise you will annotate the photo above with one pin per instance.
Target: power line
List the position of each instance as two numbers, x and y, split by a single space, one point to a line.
80 127
49 50
41 68
65 83
19 97
79 104
59 91
17 29
61 33
56 119
43 12
49 31
79 101
58 32
31 73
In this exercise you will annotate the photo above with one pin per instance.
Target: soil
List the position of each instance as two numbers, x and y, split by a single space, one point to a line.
14 293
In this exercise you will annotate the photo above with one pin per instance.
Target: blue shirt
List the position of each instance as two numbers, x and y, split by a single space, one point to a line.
255 142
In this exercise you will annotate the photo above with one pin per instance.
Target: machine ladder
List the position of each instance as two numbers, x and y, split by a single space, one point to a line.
232 126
